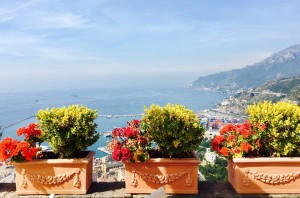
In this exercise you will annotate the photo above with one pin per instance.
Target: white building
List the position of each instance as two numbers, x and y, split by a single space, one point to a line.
210 157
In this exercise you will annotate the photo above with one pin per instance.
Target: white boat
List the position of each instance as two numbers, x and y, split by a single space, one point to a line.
105 150
106 134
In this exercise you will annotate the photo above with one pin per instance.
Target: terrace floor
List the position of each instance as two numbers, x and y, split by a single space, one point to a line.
117 190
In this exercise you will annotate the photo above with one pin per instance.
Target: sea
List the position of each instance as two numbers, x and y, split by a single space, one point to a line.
16 108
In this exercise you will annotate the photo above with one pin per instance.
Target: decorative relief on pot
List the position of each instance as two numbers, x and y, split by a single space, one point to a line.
233 168
272 179
51 180
23 180
160 178
246 181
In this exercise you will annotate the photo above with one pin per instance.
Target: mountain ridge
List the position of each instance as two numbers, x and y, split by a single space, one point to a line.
283 64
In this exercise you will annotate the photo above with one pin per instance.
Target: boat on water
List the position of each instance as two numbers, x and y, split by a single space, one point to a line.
74 95
106 134
105 150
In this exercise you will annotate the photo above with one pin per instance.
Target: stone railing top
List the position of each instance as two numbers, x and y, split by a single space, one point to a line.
117 190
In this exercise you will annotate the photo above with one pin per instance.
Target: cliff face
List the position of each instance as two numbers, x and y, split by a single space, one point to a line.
287 89
283 64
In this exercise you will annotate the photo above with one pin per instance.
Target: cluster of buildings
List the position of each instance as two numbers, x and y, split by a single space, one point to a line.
7 174
105 169
213 121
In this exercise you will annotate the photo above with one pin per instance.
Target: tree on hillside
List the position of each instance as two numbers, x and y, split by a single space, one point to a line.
216 172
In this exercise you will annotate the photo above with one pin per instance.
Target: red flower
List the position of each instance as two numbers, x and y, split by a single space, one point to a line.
117 132
231 138
246 133
27 152
21 150
258 143
235 150
227 129
136 122
218 139
216 142
10 148
116 154
261 127
127 141
142 140
126 154
31 130
234 139
245 146
131 132
245 129
247 125
224 151
7 147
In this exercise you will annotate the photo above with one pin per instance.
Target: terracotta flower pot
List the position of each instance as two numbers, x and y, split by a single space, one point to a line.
178 176
264 175
58 176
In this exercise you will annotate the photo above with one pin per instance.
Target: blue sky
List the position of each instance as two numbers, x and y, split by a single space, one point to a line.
101 43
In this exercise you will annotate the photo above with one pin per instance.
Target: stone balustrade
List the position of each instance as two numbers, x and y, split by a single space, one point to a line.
117 190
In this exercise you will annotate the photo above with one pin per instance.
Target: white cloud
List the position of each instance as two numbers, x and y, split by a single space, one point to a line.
11 11
61 20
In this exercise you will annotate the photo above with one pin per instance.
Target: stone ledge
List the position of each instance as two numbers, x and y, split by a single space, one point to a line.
117 190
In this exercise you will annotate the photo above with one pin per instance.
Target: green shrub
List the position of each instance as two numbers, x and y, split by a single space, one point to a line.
174 128
282 134
68 129
215 172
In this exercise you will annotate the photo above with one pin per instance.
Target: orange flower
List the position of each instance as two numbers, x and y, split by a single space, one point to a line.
30 130
10 148
235 150
231 138
258 143
7 147
227 128
237 140
29 153
218 139
245 146
216 142
245 129
246 133
261 127
224 151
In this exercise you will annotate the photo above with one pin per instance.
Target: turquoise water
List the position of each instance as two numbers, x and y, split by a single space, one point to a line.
114 101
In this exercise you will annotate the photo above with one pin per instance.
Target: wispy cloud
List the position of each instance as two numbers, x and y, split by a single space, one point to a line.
37 14
10 11
60 20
